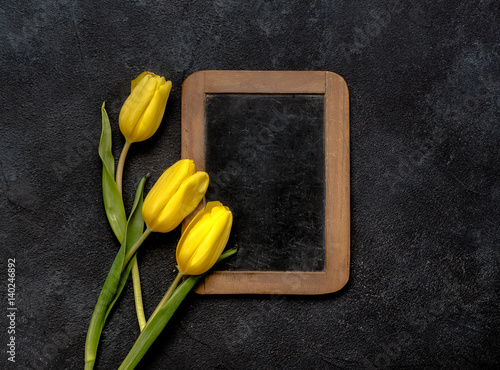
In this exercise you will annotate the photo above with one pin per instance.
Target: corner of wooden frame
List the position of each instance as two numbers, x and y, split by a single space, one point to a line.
337 244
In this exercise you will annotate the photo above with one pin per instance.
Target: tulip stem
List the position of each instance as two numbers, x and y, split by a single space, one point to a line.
121 163
167 295
139 306
137 244
136 279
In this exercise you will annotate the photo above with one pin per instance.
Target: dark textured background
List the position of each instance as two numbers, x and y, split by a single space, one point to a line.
424 84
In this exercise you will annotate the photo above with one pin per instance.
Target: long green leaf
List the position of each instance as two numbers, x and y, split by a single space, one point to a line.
158 322
135 228
113 204
121 286
105 144
114 283
135 223
105 299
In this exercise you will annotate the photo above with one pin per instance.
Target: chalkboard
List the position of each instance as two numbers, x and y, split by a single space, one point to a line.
276 147
265 156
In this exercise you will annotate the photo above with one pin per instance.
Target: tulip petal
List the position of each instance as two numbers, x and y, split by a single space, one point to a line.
152 116
163 190
212 246
193 238
136 104
183 202
142 112
138 79
204 239
193 234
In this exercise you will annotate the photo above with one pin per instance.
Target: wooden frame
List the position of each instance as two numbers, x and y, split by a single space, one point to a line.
337 172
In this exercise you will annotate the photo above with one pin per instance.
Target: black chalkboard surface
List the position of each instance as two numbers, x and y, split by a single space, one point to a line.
276 147
265 157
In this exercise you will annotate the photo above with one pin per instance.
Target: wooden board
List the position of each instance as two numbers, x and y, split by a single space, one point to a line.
201 86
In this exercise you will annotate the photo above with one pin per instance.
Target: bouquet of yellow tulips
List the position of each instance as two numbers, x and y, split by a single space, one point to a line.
175 195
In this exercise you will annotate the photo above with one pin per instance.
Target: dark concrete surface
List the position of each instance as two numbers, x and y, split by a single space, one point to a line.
424 82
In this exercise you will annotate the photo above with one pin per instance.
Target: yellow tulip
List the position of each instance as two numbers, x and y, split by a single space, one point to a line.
143 110
204 239
174 196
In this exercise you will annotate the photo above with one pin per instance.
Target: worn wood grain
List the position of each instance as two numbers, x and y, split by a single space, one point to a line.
337 172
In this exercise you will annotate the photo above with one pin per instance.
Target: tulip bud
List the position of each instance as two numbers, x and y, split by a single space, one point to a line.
143 110
204 239
174 196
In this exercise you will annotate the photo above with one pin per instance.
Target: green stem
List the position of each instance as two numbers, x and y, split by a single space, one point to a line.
135 247
164 312
136 279
157 323
167 295
139 306
89 365
121 164
106 299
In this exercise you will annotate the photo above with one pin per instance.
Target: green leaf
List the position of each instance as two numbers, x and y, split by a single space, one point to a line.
113 203
115 280
135 228
106 298
105 144
135 223
157 323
